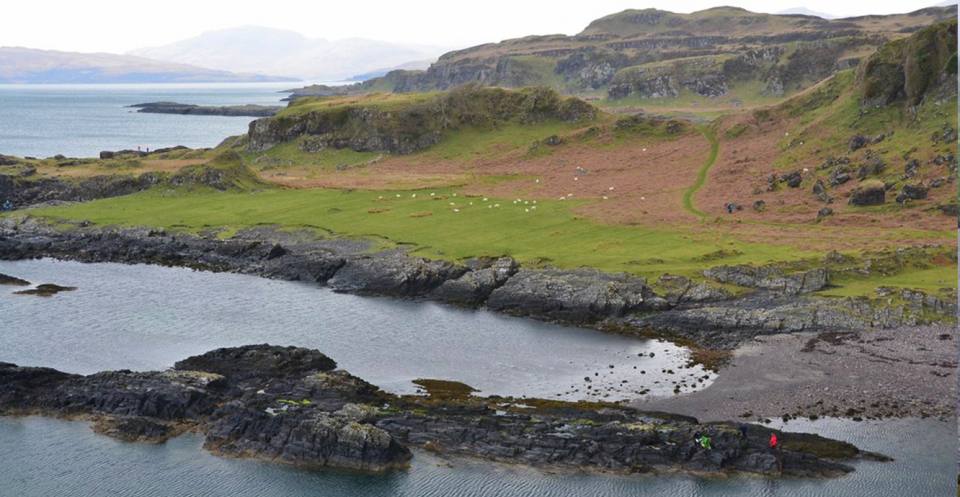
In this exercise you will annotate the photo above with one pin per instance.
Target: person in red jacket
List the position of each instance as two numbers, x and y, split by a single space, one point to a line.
773 441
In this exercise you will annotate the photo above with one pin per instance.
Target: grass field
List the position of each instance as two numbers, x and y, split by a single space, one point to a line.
445 225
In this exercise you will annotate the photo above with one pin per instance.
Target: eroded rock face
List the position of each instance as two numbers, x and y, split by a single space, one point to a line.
771 278
476 285
287 404
393 274
578 296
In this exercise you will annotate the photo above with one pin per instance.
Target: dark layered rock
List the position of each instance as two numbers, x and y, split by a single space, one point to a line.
12 280
476 285
46 290
679 290
393 273
288 404
771 278
578 296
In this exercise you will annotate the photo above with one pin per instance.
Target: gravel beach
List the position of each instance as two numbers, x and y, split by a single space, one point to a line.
908 372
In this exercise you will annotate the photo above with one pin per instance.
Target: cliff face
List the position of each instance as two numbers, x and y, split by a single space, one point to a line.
907 70
657 54
406 125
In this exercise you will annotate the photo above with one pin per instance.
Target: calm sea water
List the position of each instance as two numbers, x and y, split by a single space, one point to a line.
146 317
44 458
82 120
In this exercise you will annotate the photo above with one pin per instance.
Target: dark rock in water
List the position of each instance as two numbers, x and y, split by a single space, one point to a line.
579 296
868 193
12 280
46 290
134 429
286 404
258 361
309 438
249 110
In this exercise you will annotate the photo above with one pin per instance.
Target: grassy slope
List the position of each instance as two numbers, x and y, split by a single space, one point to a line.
545 232
549 233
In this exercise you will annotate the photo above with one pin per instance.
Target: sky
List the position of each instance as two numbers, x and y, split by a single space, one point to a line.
122 25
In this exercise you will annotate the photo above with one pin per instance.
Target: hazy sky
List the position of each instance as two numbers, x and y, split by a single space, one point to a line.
122 25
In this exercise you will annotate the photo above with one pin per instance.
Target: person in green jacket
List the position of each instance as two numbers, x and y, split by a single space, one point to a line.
705 442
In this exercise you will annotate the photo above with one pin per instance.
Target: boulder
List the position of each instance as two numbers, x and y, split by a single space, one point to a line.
868 193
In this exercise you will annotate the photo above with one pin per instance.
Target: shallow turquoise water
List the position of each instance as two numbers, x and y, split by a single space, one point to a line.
82 120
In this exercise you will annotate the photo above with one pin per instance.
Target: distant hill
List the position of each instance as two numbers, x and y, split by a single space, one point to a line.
723 53
287 53
27 65
416 65
803 11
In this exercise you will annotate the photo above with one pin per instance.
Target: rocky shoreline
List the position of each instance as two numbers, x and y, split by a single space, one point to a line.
702 314
292 405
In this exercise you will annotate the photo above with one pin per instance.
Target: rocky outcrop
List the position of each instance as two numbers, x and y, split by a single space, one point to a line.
414 125
577 296
909 69
474 287
771 278
393 273
290 405
249 110
222 173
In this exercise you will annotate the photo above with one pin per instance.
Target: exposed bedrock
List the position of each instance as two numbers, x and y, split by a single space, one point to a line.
291 405
767 299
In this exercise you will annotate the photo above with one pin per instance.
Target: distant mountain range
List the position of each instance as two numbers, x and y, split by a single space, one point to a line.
27 65
254 49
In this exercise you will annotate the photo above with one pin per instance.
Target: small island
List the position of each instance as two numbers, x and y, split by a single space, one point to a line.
247 110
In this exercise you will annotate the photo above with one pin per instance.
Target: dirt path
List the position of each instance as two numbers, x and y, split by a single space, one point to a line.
701 174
